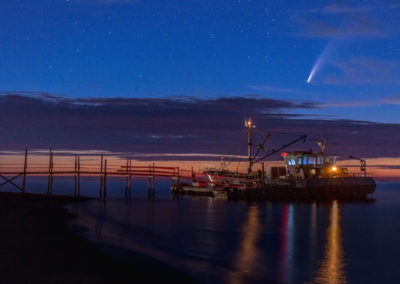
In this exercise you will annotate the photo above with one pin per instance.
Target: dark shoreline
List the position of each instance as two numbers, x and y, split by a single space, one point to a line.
36 245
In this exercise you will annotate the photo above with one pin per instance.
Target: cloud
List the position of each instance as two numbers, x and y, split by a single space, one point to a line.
273 90
344 21
183 125
360 103
358 27
251 102
392 100
342 8
365 70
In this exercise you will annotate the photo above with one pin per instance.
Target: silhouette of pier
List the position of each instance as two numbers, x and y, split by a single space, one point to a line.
10 173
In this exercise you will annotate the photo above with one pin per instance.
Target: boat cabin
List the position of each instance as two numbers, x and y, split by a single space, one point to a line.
307 164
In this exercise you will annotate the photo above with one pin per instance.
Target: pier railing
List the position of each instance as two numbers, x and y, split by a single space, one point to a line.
73 165
103 166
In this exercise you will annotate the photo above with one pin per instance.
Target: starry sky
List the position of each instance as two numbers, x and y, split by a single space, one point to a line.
206 63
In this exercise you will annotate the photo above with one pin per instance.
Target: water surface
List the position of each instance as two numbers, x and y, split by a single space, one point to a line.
240 242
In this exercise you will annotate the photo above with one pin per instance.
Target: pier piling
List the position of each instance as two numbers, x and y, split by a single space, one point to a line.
75 175
101 176
105 180
25 167
50 175
127 178
130 180
48 170
79 176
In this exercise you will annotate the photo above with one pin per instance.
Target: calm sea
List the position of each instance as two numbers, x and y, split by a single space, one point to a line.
225 241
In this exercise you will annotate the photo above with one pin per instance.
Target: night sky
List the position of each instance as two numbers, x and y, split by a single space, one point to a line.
181 76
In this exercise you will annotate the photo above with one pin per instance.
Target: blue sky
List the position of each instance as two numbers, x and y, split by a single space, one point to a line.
108 48
89 49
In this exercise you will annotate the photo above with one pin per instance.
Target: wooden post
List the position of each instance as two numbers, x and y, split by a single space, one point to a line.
105 180
127 178
25 167
52 170
50 175
75 177
101 177
153 181
79 176
130 179
149 181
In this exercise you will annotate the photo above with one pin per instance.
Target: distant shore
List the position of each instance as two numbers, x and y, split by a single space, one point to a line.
37 246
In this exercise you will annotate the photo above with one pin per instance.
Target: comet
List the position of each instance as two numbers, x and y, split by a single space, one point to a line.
322 59
311 74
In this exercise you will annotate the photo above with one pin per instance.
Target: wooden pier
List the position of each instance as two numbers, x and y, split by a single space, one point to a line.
10 173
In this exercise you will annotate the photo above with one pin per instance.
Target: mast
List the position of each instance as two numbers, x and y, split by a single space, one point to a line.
249 126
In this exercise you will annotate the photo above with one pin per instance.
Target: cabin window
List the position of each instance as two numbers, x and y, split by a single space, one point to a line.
291 161
311 160
300 160
320 160
305 160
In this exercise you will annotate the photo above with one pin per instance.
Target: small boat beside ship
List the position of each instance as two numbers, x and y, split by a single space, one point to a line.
304 176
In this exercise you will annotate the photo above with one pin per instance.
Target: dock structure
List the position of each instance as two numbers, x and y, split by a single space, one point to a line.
76 169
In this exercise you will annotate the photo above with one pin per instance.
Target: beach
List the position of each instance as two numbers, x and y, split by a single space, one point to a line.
36 245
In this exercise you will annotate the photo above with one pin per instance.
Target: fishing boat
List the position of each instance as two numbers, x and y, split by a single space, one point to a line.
304 176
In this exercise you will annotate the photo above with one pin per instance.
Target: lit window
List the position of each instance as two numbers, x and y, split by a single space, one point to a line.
299 160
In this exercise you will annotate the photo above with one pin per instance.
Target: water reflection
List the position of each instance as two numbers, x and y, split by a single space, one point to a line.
248 257
332 266
313 237
236 242
99 221
287 235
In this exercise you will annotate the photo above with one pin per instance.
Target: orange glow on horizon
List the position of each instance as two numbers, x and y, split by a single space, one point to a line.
380 168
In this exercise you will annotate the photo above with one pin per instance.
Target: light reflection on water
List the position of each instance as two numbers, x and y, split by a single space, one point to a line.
247 260
332 267
239 242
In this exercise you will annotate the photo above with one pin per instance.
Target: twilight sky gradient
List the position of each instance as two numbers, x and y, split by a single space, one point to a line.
153 75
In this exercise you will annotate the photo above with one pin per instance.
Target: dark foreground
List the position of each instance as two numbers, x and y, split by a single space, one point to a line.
37 246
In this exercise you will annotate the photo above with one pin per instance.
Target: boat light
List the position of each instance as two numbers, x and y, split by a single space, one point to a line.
334 169
283 154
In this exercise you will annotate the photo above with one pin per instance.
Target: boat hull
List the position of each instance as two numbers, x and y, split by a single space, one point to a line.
323 189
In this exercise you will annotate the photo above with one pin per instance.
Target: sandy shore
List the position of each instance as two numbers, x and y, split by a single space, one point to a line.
37 246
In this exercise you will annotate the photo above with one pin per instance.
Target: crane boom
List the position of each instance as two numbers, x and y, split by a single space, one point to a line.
261 146
281 148
363 164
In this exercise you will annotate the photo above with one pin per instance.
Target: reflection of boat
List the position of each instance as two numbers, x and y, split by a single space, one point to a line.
332 266
247 265
305 176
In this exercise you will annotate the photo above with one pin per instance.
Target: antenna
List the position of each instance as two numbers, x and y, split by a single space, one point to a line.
248 124
322 143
